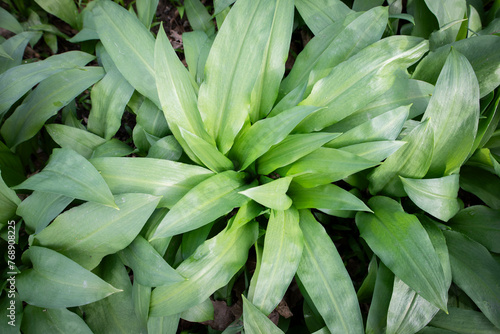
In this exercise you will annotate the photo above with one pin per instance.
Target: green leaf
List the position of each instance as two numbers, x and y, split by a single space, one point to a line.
177 95
482 184
456 98
325 197
91 231
375 151
64 9
325 165
210 199
376 321
207 153
112 148
211 267
446 12
45 100
15 82
412 160
384 127
255 322
149 268
193 43
200 313
130 45
56 281
225 95
261 136
475 272
9 202
68 173
141 296
109 98
463 321
320 14
403 92
146 11
272 194
9 22
52 321
401 242
7 326
283 246
169 179
198 16
265 90
482 53
116 313
40 208
370 71
167 324
290 149
80 141
13 49
479 223
166 148
437 197
323 275
408 312
362 5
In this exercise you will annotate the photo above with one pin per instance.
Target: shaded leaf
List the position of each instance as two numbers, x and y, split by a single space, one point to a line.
52 321
199 313
64 9
9 202
320 14
80 141
463 321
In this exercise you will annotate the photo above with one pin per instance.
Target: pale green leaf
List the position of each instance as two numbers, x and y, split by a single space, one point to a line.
68 173
193 43
166 148
112 148
64 9
168 324
9 22
199 313
283 246
130 45
14 83
255 322
141 296
401 242
463 321
447 11
91 231
210 199
325 197
290 149
13 49
437 197
272 195
387 126
412 160
149 268
169 179
481 224
475 272
56 321
325 165
454 113
211 267
40 208
45 100
146 11
239 48
320 14
80 141
198 16
375 151
56 281
323 275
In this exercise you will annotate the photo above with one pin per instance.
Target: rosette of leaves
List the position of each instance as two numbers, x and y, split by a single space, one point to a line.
232 156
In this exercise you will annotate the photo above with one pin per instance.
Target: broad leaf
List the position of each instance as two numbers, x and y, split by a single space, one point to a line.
454 113
91 231
437 197
255 322
325 165
56 281
45 100
200 313
462 321
146 11
211 267
375 151
272 194
282 252
64 9
9 202
198 16
54 321
401 242
479 223
68 173
476 273
40 208
80 141
130 45
320 14
210 199
13 49
292 148
376 321
149 268
9 22
482 184
323 275
169 179
325 197
225 95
